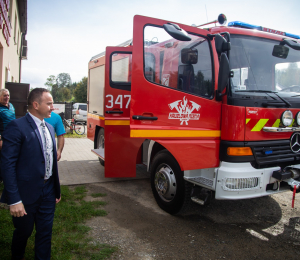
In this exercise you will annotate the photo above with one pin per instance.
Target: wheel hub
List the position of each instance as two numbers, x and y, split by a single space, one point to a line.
165 183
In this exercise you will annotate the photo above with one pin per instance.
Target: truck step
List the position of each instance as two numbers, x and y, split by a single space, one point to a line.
99 152
201 180
198 201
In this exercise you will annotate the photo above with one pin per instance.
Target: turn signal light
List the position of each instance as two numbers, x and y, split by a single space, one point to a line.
239 151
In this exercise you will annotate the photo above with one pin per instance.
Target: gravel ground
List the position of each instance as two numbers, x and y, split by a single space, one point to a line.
248 229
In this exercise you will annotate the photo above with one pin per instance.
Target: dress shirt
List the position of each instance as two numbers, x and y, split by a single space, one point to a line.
38 124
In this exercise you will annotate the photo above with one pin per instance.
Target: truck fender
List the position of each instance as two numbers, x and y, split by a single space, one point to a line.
153 148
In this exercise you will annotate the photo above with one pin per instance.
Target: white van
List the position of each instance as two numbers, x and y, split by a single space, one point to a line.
79 112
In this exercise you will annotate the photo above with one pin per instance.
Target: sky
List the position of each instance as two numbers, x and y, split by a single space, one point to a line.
63 35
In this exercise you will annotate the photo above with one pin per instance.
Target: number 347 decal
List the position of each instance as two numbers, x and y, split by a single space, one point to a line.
120 100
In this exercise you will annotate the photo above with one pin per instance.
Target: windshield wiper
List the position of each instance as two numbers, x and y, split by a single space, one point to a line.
270 103
283 100
277 104
258 90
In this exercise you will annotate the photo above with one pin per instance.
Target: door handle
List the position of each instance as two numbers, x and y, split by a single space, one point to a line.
114 112
144 117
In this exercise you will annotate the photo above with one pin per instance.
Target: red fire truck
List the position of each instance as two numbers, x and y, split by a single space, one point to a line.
212 113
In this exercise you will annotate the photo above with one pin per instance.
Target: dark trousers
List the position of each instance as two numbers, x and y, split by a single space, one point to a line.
40 213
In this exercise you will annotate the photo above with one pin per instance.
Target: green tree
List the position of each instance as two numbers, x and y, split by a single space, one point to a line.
51 80
56 94
63 80
80 92
66 94
61 87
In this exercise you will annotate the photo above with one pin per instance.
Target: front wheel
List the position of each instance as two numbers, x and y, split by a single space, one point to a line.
171 192
79 128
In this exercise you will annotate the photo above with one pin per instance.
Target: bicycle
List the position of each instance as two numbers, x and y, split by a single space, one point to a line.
71 125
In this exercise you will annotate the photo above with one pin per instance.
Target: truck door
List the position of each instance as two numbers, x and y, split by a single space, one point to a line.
120 151
173 92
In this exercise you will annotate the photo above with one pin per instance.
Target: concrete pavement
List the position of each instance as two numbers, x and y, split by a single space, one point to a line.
78 165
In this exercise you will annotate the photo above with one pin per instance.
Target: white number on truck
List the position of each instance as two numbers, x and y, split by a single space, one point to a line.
118 101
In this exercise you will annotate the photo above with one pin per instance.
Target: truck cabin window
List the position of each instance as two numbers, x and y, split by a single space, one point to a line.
185 66
120 72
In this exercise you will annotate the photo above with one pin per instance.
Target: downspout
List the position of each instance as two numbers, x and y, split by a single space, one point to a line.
21 48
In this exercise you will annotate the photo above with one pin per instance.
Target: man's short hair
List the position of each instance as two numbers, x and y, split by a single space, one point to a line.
3 90
36 95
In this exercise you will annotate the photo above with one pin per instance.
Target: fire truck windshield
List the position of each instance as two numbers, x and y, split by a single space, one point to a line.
258 72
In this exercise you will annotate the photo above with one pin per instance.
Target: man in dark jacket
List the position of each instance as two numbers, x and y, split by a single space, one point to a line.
30 175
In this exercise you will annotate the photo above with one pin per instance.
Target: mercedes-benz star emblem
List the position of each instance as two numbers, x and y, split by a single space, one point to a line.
294 142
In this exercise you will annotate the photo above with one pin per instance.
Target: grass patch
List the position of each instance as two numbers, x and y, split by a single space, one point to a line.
97 195
74 135
69 237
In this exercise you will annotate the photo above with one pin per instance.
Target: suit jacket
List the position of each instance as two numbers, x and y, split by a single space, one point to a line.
23 162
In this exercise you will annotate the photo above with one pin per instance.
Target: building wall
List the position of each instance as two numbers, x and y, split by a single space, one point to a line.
9 45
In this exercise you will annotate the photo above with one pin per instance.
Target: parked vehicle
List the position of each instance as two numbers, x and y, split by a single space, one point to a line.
79 112
200 108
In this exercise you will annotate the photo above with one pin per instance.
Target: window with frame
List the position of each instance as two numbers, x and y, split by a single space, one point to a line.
185 66
120 70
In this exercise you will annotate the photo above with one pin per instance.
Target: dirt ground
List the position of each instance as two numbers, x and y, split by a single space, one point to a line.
263 228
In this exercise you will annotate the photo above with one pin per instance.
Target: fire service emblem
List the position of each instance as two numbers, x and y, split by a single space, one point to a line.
184 110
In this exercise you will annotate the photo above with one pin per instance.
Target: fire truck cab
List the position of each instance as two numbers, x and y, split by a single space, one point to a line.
213 113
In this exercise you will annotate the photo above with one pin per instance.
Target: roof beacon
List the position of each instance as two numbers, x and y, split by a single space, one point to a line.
260 28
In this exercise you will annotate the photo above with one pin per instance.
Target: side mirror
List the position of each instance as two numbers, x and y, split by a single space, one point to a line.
189 56
176 32
221 44
223 75
280 51
291 43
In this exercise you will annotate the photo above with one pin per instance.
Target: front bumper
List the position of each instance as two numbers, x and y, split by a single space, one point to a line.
242 181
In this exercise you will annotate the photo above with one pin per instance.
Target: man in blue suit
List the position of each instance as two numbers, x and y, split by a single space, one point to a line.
30 175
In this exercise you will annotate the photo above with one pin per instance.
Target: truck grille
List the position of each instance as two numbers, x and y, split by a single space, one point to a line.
274 152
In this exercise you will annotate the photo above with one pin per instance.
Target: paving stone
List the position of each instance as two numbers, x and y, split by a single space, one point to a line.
78 165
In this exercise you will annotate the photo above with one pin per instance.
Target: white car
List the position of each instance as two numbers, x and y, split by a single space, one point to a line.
79 112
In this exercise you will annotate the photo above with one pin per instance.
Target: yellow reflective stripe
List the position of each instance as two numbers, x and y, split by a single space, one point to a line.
95 116
276 124
247 120
174 133
260 124
117 122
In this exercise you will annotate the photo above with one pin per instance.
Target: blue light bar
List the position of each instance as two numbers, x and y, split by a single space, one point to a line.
260 28
292 35
244 25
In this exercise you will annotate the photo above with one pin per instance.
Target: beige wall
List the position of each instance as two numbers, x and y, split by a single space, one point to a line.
9 55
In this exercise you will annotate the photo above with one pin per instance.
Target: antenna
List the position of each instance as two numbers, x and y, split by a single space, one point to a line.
206 14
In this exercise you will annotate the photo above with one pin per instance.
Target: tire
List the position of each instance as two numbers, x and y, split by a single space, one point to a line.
171 192
100 143
79 128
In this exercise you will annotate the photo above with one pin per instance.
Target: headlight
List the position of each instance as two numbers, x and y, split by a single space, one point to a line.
297 118
287 118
